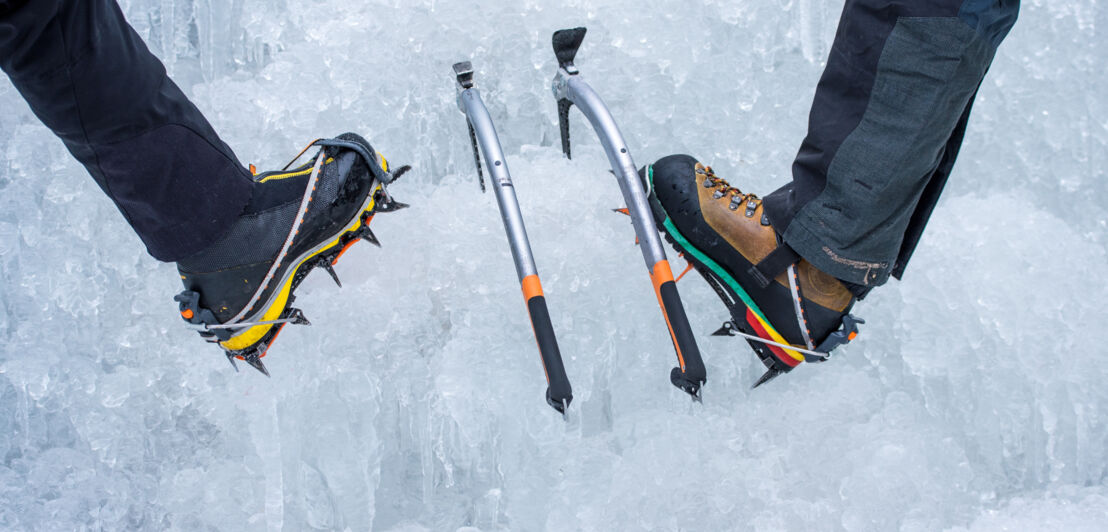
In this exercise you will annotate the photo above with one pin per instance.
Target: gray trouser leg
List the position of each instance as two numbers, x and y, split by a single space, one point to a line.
884 130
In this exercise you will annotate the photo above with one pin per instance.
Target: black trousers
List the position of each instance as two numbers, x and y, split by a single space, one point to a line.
884 130
89 77
886 123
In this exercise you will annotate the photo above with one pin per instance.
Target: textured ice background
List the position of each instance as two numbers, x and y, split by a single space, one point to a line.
974 400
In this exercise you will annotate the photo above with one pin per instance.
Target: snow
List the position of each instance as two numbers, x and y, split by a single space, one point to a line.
973 400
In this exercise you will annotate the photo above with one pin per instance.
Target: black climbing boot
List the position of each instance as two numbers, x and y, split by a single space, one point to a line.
239 291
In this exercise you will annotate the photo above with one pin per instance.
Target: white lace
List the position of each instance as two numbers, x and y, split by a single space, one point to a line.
234 322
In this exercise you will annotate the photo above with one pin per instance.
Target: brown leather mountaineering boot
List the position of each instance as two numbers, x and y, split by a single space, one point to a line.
788 310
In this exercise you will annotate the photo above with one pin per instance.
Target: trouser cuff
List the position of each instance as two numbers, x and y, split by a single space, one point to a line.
815 249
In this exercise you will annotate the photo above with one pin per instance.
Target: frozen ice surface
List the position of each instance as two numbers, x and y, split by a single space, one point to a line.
974 400
1067 510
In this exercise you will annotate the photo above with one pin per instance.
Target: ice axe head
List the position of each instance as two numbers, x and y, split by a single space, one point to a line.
566 42
464 72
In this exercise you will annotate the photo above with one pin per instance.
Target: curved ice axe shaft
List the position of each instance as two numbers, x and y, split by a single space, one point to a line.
481 131
569 89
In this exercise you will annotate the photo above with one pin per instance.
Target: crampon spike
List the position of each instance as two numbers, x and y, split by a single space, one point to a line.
687 270
400 171
256 362
326 265
390 205
769 375
297 317
368 236
724 330
385 201
231 359
626 212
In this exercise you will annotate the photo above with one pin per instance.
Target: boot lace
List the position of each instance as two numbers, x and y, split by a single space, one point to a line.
723 188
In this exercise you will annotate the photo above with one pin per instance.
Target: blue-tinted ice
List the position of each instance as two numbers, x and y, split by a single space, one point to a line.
975 398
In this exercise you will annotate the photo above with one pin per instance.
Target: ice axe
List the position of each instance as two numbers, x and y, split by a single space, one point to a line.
569 90
484 139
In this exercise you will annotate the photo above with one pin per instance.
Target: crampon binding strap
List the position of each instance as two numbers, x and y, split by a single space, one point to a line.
843 336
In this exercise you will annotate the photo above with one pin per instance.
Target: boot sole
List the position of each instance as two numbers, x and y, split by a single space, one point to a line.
255 341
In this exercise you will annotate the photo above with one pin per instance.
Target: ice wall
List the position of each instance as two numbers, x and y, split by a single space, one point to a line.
974 399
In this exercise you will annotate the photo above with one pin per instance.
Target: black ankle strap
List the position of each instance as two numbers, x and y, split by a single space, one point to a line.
776 262
368 155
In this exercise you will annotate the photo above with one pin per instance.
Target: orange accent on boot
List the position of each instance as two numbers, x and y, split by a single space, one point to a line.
253 169
335 260
342 251
274 339
187 314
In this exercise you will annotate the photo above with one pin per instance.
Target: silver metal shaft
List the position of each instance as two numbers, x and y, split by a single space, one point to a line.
470 102
588 101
